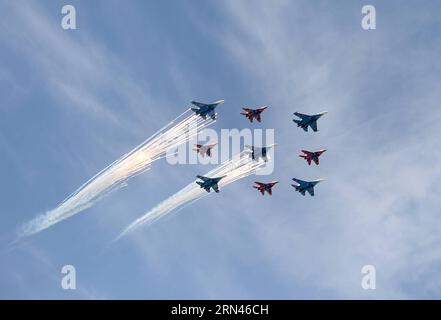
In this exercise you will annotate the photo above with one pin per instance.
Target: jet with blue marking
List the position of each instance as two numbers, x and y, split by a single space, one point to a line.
303 186
208 183
308 120
206 109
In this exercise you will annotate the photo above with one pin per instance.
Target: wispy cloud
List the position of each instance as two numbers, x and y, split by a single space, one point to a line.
79 72
378 207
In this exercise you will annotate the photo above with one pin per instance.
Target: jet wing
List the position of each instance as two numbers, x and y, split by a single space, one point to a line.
203 178
247 109
199 104
302 116
211 114
307 152
301 182
310 191
216 188
313 126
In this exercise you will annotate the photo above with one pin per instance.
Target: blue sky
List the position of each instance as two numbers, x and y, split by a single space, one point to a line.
74 101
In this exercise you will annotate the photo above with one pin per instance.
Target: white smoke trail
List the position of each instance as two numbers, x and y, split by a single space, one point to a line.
178 131
238 167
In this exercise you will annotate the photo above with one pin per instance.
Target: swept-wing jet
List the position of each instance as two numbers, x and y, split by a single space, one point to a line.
308 120
262 187
253 113
303 186
259 152
208 183
204 149
312 156
206 109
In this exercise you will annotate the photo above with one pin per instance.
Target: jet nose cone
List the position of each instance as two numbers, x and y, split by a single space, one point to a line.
220 101
323 113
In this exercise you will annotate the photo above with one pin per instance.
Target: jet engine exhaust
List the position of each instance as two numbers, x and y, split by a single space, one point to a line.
238 167
115 176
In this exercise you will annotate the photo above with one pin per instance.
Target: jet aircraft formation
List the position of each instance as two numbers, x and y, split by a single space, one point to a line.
304 121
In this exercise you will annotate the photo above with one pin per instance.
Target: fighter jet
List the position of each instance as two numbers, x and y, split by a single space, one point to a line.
259 152
306 186
206 109
262 187
312 156
204 149
253 113
208 183
308 120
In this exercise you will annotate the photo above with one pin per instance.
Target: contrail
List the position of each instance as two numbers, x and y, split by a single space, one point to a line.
178 131
238 167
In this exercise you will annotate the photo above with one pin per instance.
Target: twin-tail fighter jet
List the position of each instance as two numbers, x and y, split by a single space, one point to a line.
262 187
303 186
204 149
312 156
259 152
308 120
208 183
253 113
206 109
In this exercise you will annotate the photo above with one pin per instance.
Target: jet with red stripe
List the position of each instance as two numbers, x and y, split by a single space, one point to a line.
310 156
262 187
204 149
253 113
